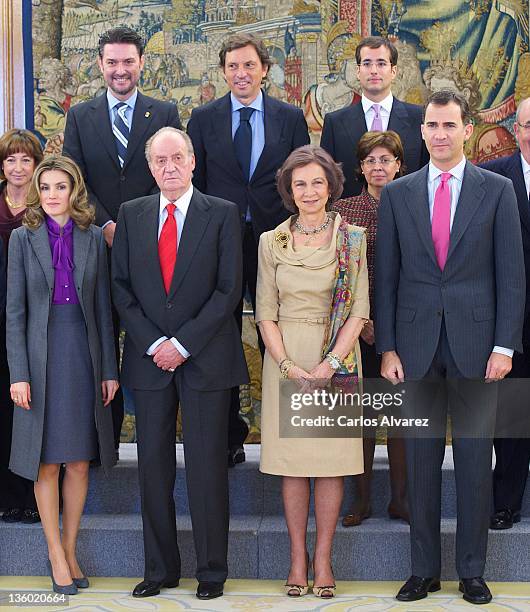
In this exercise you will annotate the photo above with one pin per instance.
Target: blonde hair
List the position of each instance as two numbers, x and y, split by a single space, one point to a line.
81 212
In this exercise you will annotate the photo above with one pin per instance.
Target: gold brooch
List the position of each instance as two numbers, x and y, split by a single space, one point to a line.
282 238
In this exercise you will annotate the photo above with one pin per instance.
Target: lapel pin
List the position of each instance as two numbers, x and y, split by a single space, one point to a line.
147 114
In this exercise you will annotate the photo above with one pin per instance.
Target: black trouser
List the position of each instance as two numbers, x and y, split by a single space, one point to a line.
512 454
237 427
204 428
117 402
472 406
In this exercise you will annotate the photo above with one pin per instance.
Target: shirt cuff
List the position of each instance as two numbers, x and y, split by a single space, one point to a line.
503 351
105 225
156 343
179 347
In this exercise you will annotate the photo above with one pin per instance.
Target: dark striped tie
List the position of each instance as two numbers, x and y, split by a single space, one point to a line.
121 129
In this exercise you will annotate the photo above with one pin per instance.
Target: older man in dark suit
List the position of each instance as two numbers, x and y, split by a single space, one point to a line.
512 455
240 141
377 59
176 271
106 138
449 300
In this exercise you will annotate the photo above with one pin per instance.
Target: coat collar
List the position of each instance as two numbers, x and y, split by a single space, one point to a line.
142 117
273 122
40 243
197 219
471 195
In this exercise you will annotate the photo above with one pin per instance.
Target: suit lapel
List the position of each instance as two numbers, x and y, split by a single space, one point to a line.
515 172
273 128
399 118
418 204
197 219
142 118
148 218
471 195
222 125
101 121
81 240
354 123
41 247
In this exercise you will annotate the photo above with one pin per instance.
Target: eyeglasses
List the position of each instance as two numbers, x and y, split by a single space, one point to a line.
524 126
384 161
381 64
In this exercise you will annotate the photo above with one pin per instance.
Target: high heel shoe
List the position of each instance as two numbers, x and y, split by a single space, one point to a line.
298 590
81 583
66 589
326 591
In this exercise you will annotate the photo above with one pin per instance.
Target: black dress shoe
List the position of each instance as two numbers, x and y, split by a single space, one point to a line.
30 516
236 454
504 519
148 588
210 590
418 588
475 590
13 515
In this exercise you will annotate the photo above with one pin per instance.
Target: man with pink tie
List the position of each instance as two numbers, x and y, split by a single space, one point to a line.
449 306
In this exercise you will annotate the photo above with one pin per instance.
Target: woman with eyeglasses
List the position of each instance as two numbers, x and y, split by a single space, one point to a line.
381 160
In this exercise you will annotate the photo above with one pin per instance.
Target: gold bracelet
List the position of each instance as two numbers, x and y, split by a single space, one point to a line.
285 366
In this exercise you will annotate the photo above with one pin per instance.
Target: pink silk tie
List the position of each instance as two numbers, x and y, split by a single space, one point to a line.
441 219
377 122
167 246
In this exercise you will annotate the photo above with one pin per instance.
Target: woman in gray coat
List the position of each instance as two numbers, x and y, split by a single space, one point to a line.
61 355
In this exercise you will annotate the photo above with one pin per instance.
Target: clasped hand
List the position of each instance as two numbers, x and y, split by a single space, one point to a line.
309 381
167 357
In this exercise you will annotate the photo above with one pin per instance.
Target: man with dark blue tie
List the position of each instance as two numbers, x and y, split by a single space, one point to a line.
240 141
106 137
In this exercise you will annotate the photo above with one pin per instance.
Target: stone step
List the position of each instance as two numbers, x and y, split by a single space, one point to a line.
251 492
111 545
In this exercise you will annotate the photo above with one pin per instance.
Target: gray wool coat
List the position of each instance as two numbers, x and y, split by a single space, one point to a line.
30 289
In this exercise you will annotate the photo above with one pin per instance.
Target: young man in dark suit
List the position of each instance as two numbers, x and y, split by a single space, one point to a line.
106 137
240 141
449 307
176 274
378 110
512 455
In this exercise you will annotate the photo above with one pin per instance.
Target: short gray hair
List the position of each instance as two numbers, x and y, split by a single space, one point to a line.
167 130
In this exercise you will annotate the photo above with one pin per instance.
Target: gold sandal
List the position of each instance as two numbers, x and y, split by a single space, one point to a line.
324 592
295 590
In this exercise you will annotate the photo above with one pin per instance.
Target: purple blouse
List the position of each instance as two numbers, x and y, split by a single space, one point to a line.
62 247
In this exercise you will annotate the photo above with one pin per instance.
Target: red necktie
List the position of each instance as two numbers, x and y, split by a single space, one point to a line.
167 246
441 219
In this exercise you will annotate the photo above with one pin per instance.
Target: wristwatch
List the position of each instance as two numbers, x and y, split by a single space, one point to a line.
334 361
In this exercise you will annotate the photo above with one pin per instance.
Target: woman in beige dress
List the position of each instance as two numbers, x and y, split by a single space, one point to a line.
312 302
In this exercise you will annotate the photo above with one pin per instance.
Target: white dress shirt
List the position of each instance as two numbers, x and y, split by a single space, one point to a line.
455 184
384 111
526 174
181 210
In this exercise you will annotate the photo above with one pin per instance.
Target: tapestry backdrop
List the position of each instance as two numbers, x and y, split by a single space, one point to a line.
478 47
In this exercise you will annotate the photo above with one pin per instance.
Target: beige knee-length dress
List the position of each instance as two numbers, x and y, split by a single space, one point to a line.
295 289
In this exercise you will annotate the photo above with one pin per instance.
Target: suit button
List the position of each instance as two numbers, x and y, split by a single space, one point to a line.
122 178
169 305
439 313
